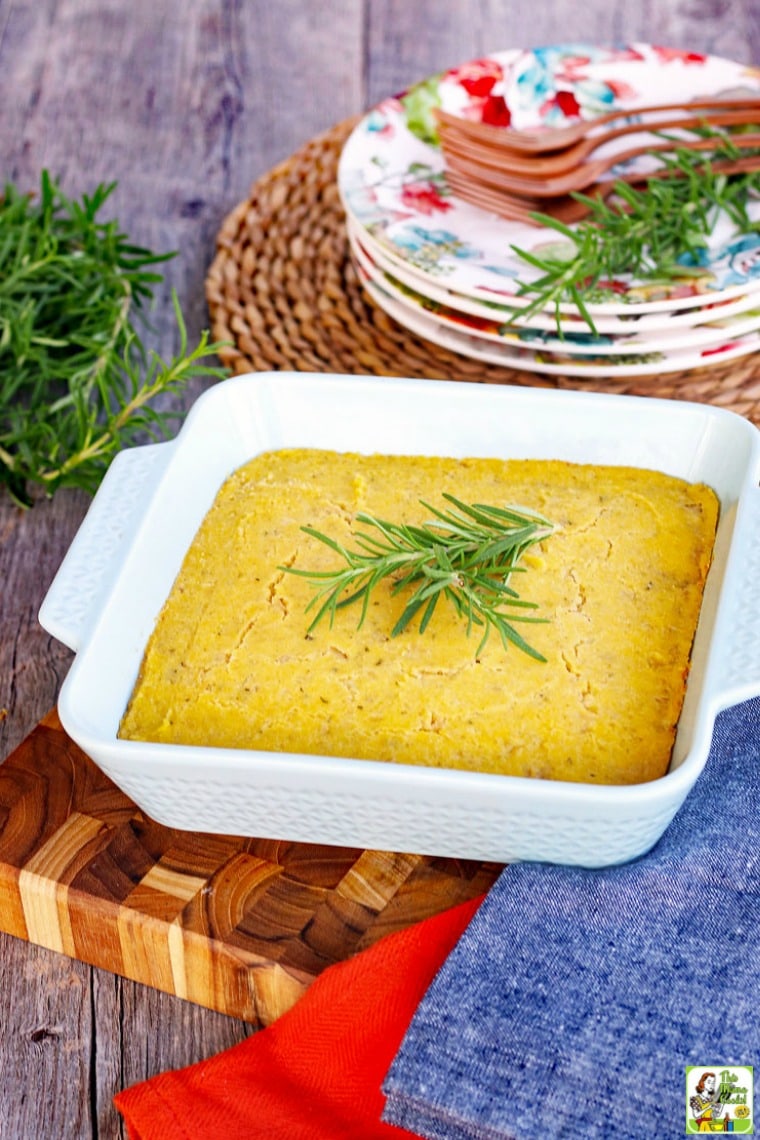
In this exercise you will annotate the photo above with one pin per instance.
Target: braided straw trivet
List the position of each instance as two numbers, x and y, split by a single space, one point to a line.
283 290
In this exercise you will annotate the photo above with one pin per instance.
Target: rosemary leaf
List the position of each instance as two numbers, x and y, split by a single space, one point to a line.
77 383
657 234
466 555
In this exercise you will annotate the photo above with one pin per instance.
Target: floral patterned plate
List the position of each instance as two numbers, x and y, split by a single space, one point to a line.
572 343
554 86
555 363
626 324
392 177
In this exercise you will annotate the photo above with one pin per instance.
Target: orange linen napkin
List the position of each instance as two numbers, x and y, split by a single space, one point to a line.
315 1074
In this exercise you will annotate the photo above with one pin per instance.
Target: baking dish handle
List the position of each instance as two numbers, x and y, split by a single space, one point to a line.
89 568
737 665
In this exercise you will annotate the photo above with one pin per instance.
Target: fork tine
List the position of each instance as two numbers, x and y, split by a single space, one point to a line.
565 208
455 142
585 175
545 139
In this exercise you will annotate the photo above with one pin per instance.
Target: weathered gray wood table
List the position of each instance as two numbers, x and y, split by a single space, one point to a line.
184 103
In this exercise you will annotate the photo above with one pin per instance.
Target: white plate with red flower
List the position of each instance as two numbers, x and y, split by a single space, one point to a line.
392 176
667 326
578 342
508 355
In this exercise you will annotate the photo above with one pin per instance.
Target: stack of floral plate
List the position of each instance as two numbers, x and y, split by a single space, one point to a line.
455 273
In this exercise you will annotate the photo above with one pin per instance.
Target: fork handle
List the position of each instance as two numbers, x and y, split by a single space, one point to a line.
561 161
544 135
741 142
539 189
518 208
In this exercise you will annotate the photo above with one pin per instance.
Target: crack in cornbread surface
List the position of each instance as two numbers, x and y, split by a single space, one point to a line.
229 662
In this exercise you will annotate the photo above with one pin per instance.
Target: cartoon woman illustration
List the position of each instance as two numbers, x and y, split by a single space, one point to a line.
706 1106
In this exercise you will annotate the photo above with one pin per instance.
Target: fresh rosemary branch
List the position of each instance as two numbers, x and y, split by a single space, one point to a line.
657 234
76 381
466 555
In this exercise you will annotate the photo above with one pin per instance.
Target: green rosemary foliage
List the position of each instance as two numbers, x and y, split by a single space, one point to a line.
76 380
656 234
466 555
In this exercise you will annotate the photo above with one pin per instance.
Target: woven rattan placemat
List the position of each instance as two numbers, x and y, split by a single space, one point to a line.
283 290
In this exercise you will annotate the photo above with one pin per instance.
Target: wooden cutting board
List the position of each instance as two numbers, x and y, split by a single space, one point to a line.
236 924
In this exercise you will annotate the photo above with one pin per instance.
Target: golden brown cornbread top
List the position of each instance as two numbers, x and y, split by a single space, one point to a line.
230 661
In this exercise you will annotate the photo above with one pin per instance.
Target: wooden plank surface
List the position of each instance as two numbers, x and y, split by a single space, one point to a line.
184 103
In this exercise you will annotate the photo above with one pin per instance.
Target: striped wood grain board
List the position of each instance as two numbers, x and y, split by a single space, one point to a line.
235 924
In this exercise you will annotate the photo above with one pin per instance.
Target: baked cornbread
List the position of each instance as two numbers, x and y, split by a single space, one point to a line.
230 662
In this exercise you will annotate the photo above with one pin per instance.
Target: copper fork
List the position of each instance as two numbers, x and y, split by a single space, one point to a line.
563 207
585 175
544 139
454 141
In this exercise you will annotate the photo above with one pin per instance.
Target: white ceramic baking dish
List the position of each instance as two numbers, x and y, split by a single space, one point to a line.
121 565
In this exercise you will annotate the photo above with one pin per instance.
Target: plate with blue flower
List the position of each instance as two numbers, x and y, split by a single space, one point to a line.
576 341
393 185
558 363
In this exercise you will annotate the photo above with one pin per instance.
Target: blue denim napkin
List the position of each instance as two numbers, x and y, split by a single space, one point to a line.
576 998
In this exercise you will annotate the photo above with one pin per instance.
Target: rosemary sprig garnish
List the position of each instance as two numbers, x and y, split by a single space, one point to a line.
466 555
76 381
657 234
